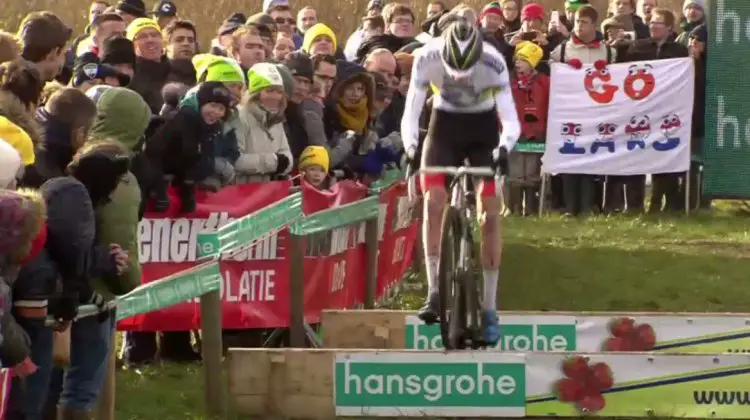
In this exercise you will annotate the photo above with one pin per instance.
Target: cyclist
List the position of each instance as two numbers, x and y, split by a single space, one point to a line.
471 88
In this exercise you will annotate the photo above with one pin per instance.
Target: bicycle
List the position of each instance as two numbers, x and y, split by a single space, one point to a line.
460 306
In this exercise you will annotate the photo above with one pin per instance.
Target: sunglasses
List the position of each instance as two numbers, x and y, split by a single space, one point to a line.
281 21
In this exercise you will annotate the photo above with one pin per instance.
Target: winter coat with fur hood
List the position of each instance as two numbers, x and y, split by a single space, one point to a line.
22 218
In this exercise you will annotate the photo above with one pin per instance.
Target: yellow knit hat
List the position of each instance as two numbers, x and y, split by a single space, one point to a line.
315 31
529 52
140 24
314 156
19 139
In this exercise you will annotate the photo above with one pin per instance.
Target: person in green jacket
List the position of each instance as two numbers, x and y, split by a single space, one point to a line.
122 115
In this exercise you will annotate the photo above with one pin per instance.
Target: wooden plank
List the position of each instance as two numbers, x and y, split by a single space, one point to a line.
288 383
364 329
384 329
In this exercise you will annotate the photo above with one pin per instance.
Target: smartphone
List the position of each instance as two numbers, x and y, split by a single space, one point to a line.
528 36
554 16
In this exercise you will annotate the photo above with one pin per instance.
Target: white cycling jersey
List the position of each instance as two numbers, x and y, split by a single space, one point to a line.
487 87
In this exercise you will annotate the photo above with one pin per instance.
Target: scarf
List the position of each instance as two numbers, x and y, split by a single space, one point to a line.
593 44
355 117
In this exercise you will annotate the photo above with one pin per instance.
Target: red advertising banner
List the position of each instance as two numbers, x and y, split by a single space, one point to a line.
399 237
334 259
255 286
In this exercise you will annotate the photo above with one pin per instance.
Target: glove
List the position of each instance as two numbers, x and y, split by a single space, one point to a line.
283 163
101 304
211 184
387 154
575 63
371 165
224 170
500 160
393 140
600 64
64 307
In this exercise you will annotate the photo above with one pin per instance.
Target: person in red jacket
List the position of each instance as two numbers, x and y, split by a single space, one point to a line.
531 94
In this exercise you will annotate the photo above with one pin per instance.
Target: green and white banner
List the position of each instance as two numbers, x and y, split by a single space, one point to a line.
411 384
668 333
494 384
638 385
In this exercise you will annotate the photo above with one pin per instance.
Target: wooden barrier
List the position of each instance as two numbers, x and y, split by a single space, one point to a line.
378 329
282 383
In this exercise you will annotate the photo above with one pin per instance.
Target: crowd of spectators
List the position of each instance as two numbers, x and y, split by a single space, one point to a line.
96 129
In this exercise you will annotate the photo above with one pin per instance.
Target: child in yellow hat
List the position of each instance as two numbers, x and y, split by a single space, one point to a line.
313 165
531 94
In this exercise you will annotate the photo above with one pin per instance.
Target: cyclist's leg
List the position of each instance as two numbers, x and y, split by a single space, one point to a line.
438 150
489 206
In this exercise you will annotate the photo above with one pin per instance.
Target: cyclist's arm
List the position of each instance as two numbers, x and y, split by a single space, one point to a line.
506 108
414 103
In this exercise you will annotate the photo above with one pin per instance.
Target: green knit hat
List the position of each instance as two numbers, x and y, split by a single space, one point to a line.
263 75
575 4
215 68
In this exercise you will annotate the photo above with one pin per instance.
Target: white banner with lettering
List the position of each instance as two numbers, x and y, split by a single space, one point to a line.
623 119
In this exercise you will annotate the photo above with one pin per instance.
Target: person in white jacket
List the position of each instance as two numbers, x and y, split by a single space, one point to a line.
265 153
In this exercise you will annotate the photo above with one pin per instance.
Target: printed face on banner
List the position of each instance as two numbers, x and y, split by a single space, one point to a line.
624 119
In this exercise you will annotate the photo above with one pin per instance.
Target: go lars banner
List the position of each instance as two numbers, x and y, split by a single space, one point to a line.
255 280
622 119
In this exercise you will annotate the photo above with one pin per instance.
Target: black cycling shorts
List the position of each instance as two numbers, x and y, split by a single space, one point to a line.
454 137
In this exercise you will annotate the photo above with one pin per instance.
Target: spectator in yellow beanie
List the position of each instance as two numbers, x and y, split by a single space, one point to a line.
19 139
147 39
313 165
319 39
530 53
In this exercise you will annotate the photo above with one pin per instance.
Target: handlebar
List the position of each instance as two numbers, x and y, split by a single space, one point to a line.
456 171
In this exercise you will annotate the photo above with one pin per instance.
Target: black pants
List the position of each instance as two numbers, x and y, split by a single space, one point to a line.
579 191
665 193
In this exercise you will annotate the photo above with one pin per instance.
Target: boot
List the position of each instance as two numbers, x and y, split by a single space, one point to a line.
73 414
161 199
187 197
572 193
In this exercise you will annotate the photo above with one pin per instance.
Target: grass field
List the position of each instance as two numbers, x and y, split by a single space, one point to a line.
694 264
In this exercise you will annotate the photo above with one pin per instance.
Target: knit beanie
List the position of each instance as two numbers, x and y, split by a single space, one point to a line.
300 64
575 4
263 75
532 11
287 79
10 163
491 9
19 139
314 156
700 33
315 31
214 92
697 3
132 7
529 52
140 24
214 68
118 50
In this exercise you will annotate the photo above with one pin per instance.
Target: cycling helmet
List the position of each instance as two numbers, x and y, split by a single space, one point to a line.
462 48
